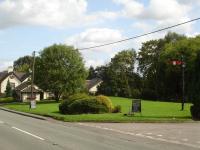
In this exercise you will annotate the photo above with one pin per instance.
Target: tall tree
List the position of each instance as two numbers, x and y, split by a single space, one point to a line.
23 64
153 68
118 75
60 69
8 89
91 73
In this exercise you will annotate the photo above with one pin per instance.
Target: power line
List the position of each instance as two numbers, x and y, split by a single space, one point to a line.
141 35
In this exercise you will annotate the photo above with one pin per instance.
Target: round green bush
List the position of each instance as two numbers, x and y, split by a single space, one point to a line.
89 105
195 111
64 106
104 100
82 103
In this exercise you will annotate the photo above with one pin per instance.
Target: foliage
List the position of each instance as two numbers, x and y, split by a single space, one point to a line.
136 93
88 105
59 69
162 80
23 64
64 106
7 100
117 109
195 112
194 93
92 73
104 100
82 103
8 89
118 76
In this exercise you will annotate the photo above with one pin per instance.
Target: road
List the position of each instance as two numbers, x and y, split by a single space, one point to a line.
24 133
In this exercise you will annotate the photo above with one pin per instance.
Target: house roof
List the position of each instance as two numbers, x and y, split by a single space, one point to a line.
28 90
25 87
93 82
3 75
19 75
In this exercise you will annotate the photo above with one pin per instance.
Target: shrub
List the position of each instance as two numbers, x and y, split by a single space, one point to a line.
7 100
116 109
136 93
89 105
195 111
64 106
82 103
104 100
148 94
78 96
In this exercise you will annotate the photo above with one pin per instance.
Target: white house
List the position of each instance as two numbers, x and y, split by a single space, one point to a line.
20 82
92 85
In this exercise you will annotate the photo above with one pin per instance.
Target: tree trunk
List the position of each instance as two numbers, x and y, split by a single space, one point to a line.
57 96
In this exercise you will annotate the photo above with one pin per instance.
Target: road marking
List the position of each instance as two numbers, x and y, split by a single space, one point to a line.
28 133
149 133
185 140
141 135
160 135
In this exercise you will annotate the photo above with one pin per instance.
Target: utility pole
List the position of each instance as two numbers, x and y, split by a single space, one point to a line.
32 76
183 82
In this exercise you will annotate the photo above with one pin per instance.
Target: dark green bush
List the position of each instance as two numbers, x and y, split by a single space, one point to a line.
64 106
136 93
116 109
82 103
195 111
90 105
148 94
7 100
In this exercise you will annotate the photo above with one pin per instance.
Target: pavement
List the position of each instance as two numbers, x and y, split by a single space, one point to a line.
19 132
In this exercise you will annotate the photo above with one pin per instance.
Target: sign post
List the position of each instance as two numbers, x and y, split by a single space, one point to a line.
136 105
33 104
182 64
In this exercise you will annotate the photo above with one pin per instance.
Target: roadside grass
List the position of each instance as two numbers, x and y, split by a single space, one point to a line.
152 111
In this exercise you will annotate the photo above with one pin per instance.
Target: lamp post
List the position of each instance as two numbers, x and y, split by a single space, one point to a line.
183 82
182 64
32 101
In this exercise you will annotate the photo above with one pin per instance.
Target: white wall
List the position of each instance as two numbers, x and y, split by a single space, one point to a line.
25 96
12 80
94 89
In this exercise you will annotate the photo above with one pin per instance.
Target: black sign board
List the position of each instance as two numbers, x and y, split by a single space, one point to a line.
136 105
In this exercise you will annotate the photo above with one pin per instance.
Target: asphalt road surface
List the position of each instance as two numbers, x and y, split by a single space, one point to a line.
23 133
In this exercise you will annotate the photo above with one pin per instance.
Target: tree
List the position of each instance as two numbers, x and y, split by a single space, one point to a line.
23 64
157 76
60 69
92 73
119 76
194 94
8 89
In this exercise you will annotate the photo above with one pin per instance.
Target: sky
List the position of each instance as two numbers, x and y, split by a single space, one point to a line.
31 25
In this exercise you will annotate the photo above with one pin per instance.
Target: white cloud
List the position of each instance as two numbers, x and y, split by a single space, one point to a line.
4 64
161 10
97 36
159 14
132 8
54 13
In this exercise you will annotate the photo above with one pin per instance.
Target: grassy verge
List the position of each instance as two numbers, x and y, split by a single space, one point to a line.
151 112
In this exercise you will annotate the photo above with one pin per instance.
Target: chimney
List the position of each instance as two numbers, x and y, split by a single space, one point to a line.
10 69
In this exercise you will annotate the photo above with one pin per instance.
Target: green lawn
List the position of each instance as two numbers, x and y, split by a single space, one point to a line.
151 112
